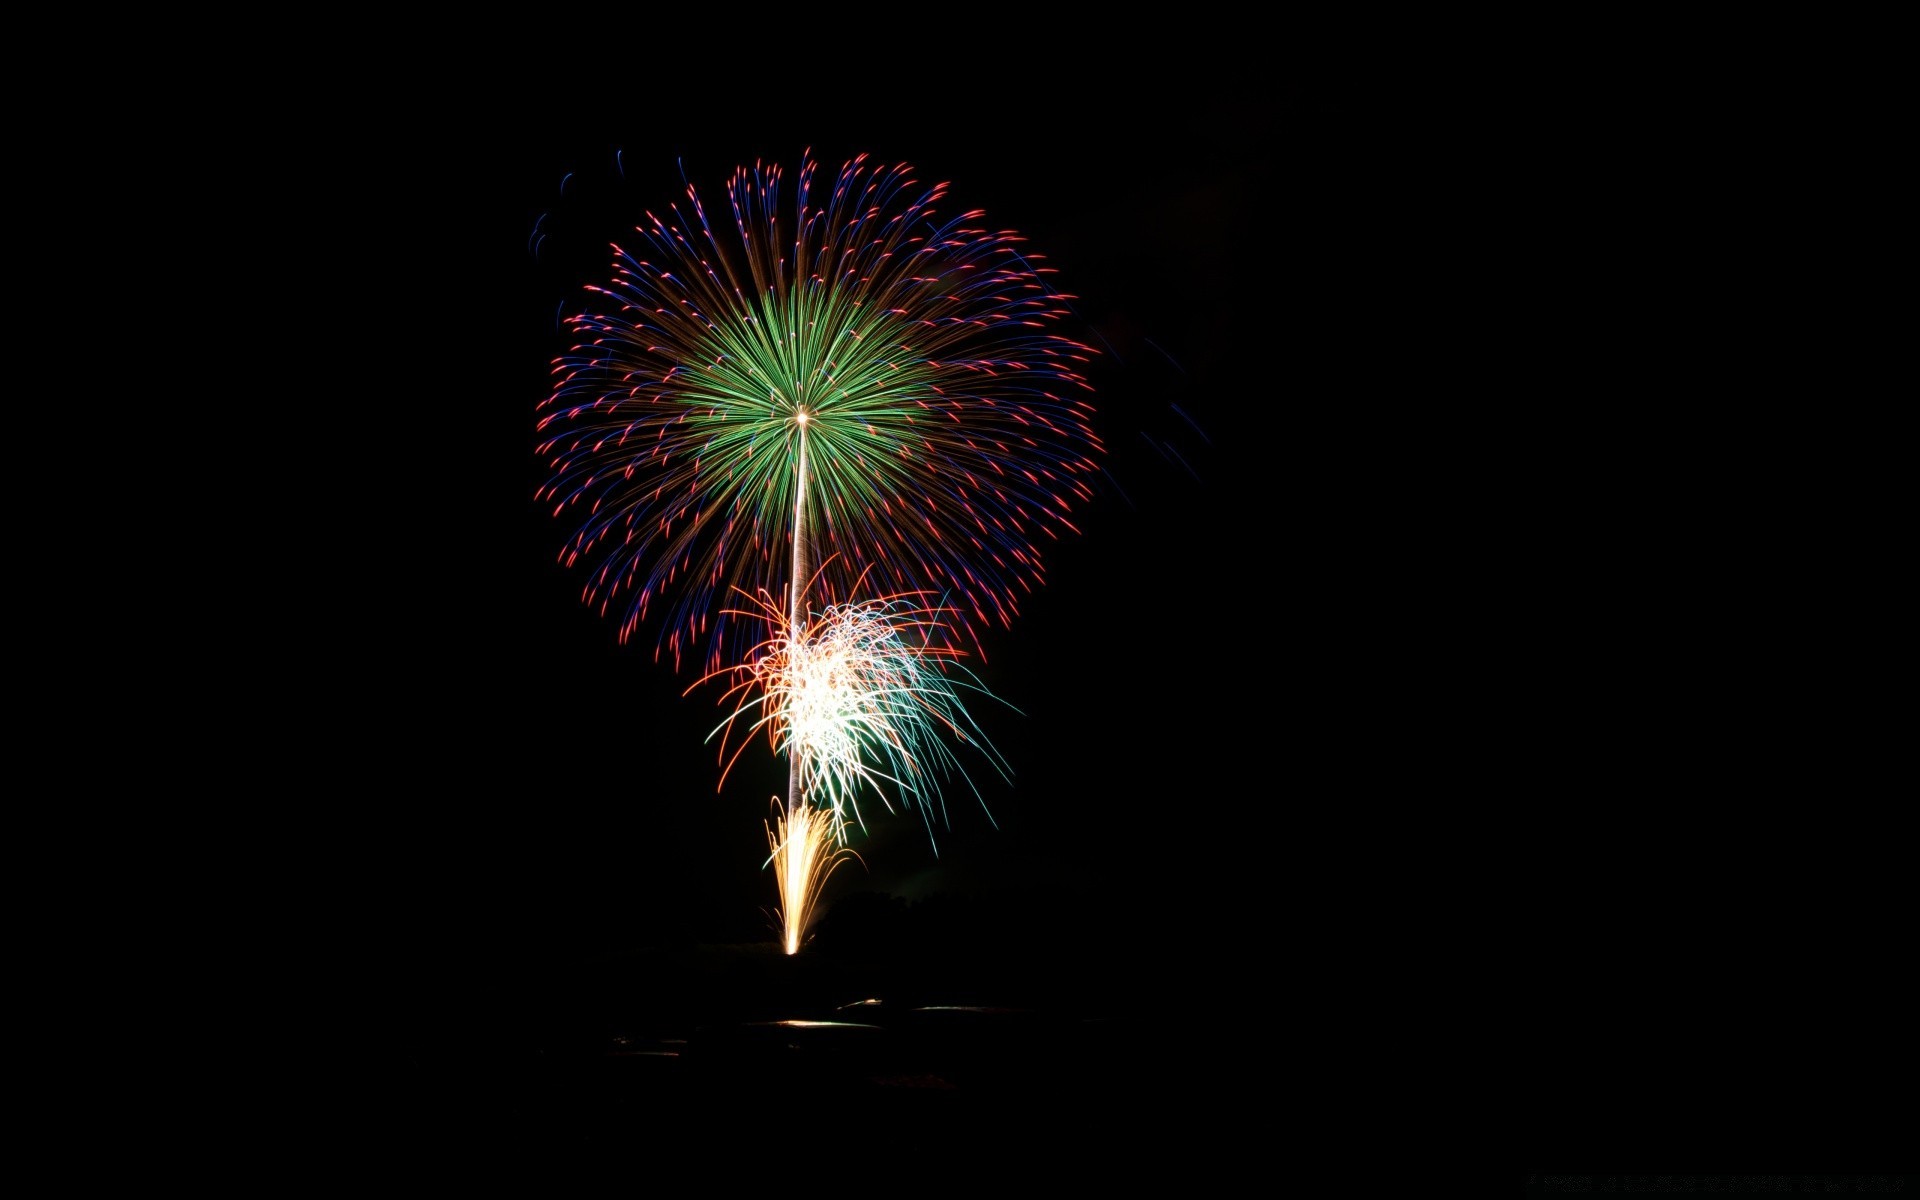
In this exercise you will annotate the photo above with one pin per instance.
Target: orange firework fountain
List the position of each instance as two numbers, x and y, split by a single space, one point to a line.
804 855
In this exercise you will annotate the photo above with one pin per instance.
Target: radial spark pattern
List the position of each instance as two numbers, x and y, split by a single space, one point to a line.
947 425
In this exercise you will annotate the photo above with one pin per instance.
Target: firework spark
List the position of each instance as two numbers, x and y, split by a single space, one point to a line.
904 355
862 698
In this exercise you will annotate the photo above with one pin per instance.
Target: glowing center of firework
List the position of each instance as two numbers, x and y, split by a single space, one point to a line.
801 416
828 696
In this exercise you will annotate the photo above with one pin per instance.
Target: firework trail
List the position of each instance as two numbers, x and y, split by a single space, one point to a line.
903 355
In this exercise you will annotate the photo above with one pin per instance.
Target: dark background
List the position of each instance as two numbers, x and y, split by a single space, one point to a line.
1217 644
1209 687
1387 744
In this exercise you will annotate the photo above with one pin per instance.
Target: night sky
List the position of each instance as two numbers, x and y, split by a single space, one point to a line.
560 793
1363 606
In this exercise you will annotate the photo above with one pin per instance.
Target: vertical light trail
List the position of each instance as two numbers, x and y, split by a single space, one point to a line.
795 863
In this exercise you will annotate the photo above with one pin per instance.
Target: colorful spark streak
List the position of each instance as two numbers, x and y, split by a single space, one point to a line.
862 698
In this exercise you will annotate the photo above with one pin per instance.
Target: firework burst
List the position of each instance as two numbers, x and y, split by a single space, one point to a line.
857 368
862 699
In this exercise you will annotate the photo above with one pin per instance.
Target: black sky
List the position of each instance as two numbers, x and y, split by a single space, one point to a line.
1393 604
1226 241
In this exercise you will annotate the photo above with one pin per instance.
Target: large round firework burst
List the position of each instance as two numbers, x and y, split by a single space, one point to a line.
892 368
